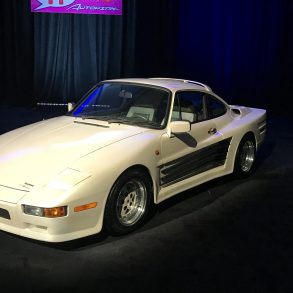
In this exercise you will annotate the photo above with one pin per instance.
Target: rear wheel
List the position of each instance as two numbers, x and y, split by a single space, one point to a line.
245 156
129 202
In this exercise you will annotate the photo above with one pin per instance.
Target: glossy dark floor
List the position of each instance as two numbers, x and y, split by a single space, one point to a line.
225 236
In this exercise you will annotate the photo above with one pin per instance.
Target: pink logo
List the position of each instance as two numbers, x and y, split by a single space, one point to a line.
110 7
53 3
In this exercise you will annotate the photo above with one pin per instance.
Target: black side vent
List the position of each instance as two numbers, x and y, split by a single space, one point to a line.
4 214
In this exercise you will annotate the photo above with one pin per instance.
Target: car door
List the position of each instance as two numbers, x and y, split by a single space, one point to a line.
190 154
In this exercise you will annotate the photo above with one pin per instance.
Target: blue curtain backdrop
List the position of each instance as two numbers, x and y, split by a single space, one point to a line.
74 52
16 52
242 49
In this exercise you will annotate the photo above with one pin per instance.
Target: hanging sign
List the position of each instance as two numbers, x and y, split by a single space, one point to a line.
110 7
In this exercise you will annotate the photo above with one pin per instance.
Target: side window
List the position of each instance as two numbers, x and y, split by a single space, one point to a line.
215 107
188 106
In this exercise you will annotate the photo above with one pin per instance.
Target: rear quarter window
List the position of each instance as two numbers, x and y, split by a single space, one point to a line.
215 107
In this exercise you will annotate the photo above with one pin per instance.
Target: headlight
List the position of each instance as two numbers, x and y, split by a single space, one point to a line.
45 212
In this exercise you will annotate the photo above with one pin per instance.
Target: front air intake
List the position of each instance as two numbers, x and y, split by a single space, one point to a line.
4 214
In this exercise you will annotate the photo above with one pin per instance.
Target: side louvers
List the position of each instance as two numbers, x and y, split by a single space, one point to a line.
262 126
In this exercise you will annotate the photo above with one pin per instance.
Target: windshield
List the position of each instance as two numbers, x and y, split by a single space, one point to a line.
134 104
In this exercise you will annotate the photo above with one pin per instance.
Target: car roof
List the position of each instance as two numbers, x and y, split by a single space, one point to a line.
169 83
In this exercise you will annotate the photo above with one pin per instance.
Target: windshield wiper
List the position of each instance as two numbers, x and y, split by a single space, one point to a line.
85 117
93 117
121 120
133 122
105 118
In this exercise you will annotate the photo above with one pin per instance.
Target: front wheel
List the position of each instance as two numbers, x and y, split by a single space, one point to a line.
245 157
129 202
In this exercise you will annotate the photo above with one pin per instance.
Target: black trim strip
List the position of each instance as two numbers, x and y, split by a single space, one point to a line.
195 163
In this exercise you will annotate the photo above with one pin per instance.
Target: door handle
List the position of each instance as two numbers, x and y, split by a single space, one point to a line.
212 131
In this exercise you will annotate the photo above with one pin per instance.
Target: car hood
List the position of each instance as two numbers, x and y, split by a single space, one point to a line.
34 154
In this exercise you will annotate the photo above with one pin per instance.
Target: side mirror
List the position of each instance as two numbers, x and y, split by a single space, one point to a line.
177 127
70 106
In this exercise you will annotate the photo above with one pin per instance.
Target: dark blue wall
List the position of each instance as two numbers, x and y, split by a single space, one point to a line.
242 49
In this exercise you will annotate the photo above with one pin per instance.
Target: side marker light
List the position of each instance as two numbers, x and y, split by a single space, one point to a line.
88 206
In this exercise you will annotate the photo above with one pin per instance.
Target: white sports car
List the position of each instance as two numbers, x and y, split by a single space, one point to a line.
128 144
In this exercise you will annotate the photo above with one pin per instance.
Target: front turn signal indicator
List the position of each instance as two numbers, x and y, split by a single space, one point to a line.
55 212
88 206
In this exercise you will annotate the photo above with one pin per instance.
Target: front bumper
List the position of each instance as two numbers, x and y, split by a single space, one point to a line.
74 225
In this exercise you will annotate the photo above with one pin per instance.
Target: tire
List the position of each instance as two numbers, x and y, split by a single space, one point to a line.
129 202
245 157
